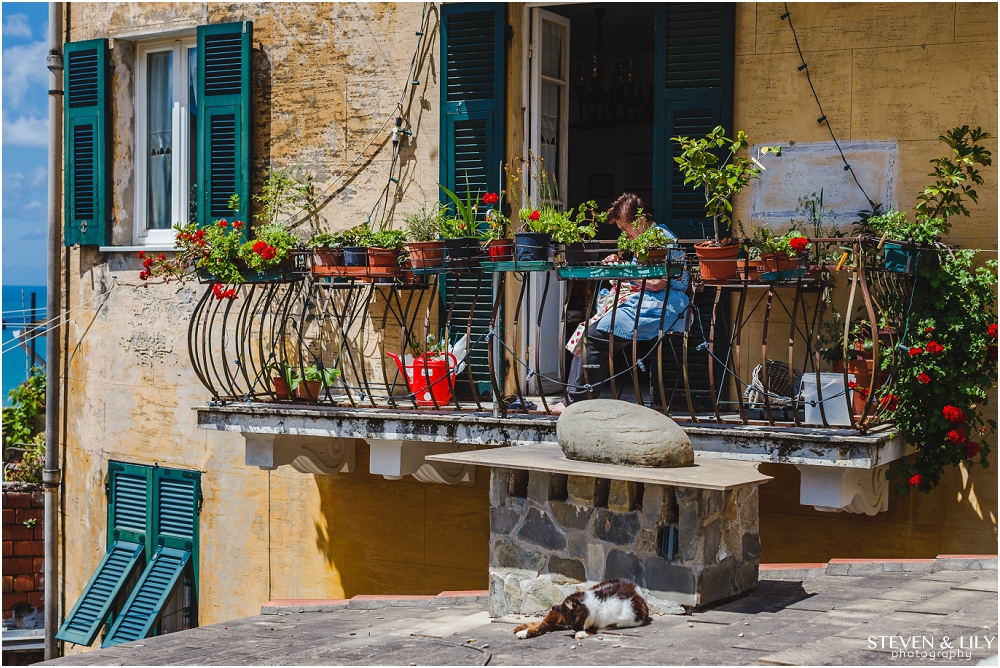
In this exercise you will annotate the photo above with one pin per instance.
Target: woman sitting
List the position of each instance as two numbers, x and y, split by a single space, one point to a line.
655 300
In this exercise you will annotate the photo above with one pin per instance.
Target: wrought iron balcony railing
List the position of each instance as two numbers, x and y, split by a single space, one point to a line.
749 350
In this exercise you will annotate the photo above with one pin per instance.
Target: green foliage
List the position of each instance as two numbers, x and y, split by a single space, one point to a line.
282 189
463 223
955 175
654 237
327 240
894 226
425 225
271 246
432 345
357 235
699 163
389 239
766 241
27 402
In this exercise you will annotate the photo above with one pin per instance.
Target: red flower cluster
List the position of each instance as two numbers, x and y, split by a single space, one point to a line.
798 244
957 436
491 198
916 350
916 480
933 347
992 331
237 224
928 329
222 293
953 414
264 250
535 215
924 378
197 237
889 402
971 449
223 223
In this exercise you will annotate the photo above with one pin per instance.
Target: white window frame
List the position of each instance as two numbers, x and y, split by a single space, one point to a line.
180 139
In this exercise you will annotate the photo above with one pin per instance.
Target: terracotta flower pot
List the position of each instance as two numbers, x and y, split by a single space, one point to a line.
749 270
328 257
655 256
280 387
718 263
780 261
424 254
309 390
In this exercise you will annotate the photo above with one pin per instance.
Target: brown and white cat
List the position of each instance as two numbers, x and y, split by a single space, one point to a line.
612 604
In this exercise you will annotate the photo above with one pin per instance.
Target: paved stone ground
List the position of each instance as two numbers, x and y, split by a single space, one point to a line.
825 620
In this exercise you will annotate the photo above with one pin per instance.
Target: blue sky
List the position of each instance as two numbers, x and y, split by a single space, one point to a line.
25 140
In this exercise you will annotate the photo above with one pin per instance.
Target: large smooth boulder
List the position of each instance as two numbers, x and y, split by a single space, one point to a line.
617 432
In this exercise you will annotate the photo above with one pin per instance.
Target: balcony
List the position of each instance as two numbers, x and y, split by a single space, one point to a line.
507 322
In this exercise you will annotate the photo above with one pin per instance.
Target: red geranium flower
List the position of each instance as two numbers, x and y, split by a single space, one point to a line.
223 223
147 263
924 378
268 253
161 256
957 436
889 402
928 329
914 351
218 291
259 246
237 224
142 254
992 331
933 347
971 449
916 480
953 414
143 275
491 198
798 244
535 215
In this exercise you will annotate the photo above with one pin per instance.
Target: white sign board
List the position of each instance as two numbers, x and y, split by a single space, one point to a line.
807 168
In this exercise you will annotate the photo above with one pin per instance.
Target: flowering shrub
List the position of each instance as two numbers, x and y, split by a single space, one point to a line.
272 245
213 249
498 225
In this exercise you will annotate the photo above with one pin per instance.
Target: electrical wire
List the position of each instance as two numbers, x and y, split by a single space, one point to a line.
822 115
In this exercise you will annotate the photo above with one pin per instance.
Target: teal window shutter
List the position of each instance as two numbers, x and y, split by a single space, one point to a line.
693 93
87 138
224 86
129 491
473 86
175 501
143 607
87 616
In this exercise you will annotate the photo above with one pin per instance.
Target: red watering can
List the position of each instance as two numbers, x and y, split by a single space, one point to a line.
427 377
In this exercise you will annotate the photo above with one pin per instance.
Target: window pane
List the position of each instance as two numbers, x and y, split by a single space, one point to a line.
552 49
551 121
192 159
158 140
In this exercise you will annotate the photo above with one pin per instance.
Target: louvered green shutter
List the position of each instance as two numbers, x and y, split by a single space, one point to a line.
224 56
693 91
129 493
177 498
87 137
473 64
144 605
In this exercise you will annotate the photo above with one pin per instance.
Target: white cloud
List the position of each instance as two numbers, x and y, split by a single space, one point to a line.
17 26
26 131
32 205
23 66
39 175
36 233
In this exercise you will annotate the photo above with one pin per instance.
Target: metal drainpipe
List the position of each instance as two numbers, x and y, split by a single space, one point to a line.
51 474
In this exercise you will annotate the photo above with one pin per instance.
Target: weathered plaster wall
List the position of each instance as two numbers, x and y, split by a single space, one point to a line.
326 76
905 72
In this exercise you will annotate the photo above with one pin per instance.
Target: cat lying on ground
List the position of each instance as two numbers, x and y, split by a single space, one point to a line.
612 604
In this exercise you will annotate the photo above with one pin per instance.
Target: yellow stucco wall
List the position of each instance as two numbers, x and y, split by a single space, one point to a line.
332 73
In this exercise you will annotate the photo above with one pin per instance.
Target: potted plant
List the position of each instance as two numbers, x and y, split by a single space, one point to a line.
532 241
311 384
271 247
903 255
355 245
650 247
780 253
460 231
384 251
573 233
423 229
328 252
700 167
497 235
285 380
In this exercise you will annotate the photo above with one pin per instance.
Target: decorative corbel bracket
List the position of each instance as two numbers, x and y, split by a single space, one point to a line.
305 454
842 489
394 459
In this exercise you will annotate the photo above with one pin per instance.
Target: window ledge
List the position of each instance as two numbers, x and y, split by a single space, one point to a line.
163 248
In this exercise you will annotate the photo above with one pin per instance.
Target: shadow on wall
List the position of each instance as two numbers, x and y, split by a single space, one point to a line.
260 132
403 536
958 517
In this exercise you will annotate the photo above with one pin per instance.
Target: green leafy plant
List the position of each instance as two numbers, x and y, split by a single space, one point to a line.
895 227
424 225
30 522
699 163
433 346
19 435
497 224
567 229
389 239
273 244
357 235
327 240
463 223
282 189
950 328
652 238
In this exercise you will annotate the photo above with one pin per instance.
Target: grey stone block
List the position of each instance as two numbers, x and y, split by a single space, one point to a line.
713 537
571 569
570 515
502 520
745 577
618 432
623 495
507 554
538 486
498 486
652 503
581 489
538 528
617 528
541 596
716 582
621 564
712 502
662 575
751 546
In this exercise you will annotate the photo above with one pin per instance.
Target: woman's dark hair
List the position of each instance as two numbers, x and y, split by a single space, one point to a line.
625 208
